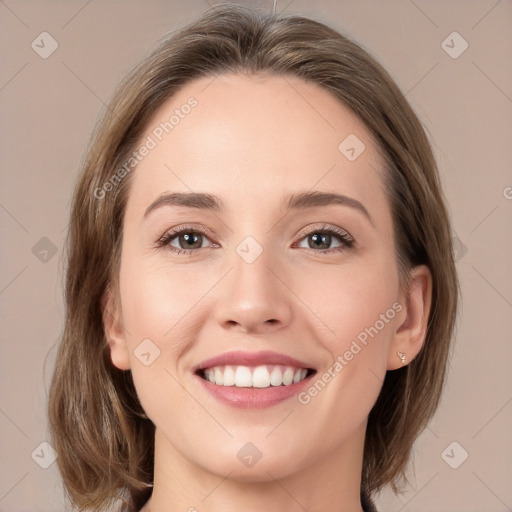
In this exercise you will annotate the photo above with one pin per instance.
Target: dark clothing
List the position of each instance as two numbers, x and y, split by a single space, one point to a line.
367 503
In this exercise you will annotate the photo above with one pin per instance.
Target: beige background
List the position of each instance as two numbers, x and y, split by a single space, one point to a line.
48 108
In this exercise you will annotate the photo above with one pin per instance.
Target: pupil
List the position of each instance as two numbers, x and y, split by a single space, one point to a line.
190 238
324 238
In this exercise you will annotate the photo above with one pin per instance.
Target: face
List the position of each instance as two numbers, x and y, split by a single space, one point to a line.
291 308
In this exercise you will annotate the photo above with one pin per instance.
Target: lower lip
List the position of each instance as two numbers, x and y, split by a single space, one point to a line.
253 398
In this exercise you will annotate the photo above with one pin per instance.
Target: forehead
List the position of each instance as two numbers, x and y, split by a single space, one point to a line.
254 138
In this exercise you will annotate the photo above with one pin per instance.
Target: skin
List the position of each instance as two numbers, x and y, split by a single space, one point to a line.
251 140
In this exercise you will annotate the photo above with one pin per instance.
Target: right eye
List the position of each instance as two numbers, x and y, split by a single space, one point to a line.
185 235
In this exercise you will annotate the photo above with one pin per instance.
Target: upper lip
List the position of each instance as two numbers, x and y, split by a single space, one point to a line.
241 358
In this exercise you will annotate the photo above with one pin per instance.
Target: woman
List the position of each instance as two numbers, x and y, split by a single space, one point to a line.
261 289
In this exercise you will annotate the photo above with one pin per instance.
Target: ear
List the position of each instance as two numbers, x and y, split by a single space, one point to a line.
114 330
412 326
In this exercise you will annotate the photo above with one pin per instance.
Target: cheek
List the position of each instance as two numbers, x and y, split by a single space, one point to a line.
161 314
358 309
156 301
152 312
349 301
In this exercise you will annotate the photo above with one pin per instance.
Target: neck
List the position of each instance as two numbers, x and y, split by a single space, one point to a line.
331 483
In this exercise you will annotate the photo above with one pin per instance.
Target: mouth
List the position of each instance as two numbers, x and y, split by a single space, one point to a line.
253 380
262 376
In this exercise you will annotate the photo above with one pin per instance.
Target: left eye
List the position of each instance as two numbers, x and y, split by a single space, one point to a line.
325 237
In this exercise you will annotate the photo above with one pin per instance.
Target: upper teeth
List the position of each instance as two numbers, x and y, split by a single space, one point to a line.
257 377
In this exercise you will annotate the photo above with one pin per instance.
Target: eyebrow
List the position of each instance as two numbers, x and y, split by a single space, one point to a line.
296 201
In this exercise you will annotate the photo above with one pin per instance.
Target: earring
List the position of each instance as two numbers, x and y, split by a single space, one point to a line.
401 355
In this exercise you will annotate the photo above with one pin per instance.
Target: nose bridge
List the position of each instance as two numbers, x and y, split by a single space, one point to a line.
253 263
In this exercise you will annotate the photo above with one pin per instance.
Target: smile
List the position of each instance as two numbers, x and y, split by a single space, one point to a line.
253 380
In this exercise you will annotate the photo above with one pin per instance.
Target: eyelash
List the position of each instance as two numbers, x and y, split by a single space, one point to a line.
345 238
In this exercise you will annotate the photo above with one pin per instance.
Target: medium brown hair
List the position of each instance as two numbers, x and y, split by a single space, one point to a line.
104 440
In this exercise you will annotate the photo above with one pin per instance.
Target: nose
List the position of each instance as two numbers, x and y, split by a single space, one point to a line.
254 297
